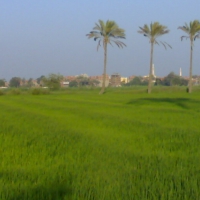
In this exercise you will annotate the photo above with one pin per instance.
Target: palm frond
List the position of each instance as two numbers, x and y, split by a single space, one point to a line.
108 32
156 42
97 27
153 31
144 30
165 44
183 28
168 45
99 44
186 37
192 29
197 36
110 43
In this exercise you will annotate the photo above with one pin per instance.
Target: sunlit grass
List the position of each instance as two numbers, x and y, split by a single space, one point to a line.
76 144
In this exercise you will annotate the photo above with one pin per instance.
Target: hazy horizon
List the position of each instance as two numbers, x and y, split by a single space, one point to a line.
43 37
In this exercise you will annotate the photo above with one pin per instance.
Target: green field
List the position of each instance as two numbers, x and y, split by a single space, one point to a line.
78 145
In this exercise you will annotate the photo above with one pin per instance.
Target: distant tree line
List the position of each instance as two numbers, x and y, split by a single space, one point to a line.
137 80
82 81
53 81
170 80
2 83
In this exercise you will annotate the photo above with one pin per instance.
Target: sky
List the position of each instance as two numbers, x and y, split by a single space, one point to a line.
49 36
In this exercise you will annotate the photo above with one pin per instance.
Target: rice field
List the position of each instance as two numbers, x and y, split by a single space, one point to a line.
78 145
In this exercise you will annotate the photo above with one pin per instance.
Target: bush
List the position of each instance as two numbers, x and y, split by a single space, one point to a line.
1 92
15 91
53 81
38 91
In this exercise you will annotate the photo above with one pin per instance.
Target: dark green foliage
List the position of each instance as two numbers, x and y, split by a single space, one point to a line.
30 82
1 92
14 91
2 83
15 82
39 80
53 81
138 80
83 82
73 83
38 91
172 80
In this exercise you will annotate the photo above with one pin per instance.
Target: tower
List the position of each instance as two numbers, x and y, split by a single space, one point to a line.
153 70
180 73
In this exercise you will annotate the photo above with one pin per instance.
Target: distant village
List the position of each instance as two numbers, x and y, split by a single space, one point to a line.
114 80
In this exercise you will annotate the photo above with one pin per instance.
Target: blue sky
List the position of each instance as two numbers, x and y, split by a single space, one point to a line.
47 36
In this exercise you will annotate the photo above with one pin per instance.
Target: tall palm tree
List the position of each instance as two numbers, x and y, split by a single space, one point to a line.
193 32
107 33
153 31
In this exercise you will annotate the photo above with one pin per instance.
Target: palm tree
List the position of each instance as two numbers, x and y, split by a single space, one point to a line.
153 31
193 32
107 33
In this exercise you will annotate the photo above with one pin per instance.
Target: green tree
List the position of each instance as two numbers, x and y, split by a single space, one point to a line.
94 83
30 82
135 81
193 31
2 83
23 81
73 83
15 82
53 81
152 32
107 33
82 81
39 80
171 80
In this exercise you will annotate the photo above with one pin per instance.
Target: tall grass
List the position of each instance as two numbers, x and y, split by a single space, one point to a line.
77 144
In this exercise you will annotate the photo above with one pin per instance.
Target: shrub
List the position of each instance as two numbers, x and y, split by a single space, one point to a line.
1 92
15 91
38 91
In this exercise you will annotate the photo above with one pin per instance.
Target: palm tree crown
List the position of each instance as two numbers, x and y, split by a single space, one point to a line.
192 30
108 32
154 31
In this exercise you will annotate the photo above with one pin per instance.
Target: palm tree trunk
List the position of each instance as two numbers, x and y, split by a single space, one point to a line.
104 69
190 76
150 72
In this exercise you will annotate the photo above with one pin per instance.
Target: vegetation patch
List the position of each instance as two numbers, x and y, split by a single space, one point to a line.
14 91
1 92
38 91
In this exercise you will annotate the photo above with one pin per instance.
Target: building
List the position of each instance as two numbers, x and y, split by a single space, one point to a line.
70 78
64 83
115 80
124 80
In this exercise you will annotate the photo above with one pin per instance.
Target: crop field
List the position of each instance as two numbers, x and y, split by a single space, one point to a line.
78 145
